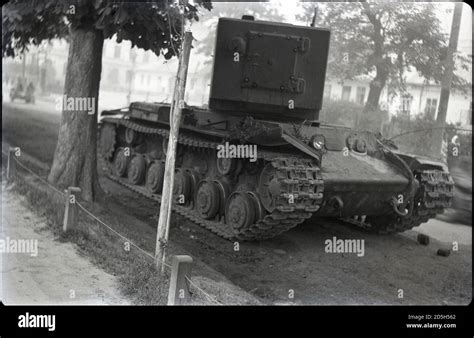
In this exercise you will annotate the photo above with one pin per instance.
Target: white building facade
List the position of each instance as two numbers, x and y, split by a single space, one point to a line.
420 97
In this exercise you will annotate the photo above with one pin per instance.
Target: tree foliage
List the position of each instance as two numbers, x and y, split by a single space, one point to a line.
150 25
386 40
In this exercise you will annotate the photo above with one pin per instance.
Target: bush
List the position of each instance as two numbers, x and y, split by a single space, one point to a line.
417 135
340 112
417 142
351 114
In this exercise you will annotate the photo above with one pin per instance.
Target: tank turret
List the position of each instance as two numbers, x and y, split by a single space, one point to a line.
269 69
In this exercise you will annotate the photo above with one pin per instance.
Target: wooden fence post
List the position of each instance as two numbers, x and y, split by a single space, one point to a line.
179 289
177 106
11 166
70 213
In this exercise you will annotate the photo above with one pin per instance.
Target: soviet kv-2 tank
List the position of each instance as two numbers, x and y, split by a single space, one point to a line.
258 161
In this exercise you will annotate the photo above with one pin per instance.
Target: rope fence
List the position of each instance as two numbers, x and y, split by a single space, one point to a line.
147 254
70 221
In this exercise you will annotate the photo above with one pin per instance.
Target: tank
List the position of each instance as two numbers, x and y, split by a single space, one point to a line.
258 162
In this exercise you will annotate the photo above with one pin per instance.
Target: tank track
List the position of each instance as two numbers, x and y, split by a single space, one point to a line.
298 176
435 194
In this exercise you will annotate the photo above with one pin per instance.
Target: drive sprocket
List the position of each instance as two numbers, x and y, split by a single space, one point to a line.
107 140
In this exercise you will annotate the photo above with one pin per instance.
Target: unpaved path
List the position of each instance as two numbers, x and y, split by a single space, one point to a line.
57 275
296 264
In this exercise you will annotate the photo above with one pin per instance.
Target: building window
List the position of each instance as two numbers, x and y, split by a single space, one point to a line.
346 93
117 52
405 106
327 91
430 107
360 95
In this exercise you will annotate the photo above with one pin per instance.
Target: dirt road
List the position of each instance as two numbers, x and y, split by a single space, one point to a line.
296 264
294 267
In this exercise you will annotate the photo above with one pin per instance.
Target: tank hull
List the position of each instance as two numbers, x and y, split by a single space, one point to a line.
252 179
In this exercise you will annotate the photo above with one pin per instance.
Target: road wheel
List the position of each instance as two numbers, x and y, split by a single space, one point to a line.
240 210
154 177
137 169
121 162
207 199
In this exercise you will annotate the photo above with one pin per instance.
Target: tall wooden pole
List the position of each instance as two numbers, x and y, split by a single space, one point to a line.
446 82
132 77
177 106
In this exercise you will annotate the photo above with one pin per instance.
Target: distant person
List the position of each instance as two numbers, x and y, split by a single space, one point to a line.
30 89
455 141
30 93
19 86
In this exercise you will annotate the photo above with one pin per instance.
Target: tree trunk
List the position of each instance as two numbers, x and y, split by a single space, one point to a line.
381 64
376 87
446 81
75 161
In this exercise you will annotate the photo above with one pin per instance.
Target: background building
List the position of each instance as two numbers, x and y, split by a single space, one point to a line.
128 74
420 97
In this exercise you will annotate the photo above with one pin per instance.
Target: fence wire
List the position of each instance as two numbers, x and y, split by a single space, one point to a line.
212 299
146 253
62 193
97 219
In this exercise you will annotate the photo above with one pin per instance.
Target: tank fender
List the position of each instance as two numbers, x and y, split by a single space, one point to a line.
416 162
303 147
